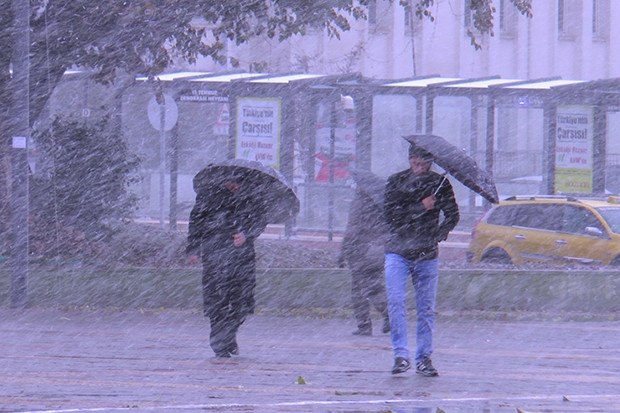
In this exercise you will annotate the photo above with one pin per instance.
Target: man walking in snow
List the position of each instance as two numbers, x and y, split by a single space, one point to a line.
414 202
223 225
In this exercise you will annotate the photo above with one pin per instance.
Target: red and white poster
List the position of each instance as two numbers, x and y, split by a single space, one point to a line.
339 155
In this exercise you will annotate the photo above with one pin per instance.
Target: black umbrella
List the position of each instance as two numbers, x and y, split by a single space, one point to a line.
458 164
268 185
370 184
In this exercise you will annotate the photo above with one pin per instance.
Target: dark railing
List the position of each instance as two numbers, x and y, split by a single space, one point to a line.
612 159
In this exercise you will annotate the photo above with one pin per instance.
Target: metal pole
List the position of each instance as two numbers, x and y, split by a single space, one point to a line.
332 155
550 115
490 137
174 173
430 113
162 160
19 154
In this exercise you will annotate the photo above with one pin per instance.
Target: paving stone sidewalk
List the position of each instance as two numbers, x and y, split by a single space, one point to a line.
160 361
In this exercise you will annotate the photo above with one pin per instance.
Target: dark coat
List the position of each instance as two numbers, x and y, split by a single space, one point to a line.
218 214
365 234
229 272
414 233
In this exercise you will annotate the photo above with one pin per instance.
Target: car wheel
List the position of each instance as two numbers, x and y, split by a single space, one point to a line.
496 256
615 262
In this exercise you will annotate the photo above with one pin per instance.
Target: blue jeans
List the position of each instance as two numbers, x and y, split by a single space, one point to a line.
425 276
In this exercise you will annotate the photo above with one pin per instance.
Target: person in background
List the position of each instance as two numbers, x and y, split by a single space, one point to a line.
415 200
223 225
362 250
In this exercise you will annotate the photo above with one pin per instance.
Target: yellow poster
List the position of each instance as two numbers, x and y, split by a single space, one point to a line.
258 130
574 149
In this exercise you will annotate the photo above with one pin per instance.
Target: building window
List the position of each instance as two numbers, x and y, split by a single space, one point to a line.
507 19
468 18
600 19
372 12
379 17
561 12
569 21
408 20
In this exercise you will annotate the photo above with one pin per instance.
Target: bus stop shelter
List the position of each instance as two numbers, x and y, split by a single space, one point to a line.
545 136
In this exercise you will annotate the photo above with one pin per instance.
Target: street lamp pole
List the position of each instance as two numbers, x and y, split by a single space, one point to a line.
20 112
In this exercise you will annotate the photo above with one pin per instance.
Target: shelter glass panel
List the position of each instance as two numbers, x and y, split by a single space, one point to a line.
452 120
612 151
393 116
518 163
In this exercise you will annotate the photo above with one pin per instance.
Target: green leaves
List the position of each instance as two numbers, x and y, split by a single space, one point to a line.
482 17
85 178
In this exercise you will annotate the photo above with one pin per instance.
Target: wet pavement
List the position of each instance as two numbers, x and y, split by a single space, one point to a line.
159 361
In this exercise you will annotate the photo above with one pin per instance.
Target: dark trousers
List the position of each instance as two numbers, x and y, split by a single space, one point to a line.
367 287
228 295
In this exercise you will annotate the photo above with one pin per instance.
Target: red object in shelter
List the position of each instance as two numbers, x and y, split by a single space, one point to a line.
341 169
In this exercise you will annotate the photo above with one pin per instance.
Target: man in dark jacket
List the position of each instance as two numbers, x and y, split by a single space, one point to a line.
362 249
414 202
223 225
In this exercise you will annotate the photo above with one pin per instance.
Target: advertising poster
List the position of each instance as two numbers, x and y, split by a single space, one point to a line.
574 149
343 156
258 130
220 127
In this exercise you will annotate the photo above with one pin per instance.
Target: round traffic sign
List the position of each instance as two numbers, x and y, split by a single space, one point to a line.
171 113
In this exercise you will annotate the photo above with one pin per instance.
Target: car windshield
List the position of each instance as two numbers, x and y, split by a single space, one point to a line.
612 216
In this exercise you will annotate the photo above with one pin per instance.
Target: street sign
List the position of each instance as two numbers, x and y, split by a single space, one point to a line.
171 113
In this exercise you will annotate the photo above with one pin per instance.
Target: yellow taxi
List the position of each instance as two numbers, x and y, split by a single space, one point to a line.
548 229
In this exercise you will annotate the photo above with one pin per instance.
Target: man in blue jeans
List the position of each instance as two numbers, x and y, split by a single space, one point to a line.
414 202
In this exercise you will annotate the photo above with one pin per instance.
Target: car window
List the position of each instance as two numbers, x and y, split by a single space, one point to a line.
539 216
502 215
577 219
612 216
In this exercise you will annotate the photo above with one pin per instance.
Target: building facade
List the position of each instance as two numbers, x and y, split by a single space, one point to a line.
573 39
566 39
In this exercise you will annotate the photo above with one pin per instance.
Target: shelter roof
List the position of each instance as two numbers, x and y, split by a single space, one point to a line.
481 83
169 77
422 82
286 78
231 77
543 88
544 84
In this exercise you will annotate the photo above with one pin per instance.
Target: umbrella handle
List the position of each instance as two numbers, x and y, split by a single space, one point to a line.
441 183
434 193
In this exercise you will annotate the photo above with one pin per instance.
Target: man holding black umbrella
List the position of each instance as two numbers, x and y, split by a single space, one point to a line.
235 200
223 225
415 200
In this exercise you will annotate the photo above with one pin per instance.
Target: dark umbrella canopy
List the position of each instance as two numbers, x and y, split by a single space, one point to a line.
268 185
370 184
458 164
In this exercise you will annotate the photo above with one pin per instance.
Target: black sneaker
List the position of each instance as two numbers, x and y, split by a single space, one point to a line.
401 365
363 332
234 349
425 368
223 354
